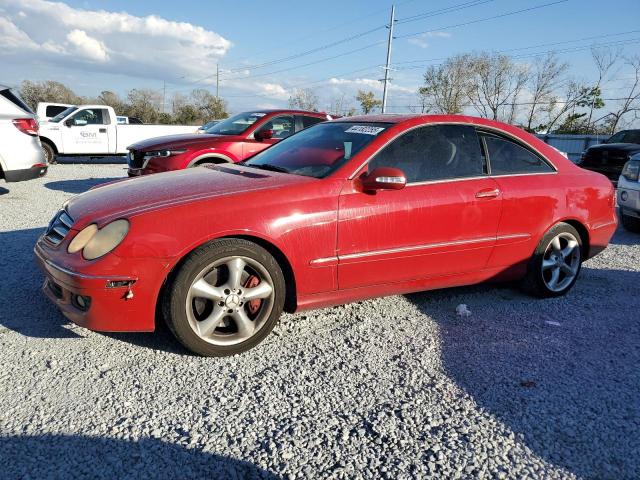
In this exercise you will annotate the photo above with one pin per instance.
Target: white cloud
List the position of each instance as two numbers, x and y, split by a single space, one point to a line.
87 46
421 40
110 42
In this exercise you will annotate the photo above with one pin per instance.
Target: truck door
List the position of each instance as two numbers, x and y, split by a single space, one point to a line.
89 130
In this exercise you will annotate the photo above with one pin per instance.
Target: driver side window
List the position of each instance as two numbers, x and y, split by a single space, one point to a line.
436 152
282 126
91 116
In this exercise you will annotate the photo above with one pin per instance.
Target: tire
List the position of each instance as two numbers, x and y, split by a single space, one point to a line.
49 153
631 224
548 261
206 303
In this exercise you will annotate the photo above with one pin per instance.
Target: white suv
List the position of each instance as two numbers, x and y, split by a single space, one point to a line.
629 194
21 156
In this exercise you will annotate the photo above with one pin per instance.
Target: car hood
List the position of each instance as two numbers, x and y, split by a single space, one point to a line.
182 141
621 147
128 197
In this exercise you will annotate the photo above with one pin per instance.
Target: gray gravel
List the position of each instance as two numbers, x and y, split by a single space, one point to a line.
393 388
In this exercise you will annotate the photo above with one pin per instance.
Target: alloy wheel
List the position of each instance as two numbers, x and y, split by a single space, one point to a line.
230 300
561 262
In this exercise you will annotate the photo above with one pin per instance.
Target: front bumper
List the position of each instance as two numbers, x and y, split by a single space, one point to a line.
629 197
119 309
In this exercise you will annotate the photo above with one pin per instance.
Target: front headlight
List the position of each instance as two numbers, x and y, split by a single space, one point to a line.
95 242
631 170
163 153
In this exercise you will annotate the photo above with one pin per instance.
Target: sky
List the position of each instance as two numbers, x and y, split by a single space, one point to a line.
265 50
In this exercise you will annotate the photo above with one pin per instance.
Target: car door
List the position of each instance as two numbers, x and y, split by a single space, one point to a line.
282 126
529 197
443 222
88 131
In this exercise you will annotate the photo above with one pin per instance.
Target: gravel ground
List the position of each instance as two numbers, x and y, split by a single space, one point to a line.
394 388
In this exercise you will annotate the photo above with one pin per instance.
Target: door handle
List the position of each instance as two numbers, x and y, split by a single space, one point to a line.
103 130
488 193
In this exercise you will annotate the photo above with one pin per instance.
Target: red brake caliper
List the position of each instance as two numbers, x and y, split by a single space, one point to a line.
254 305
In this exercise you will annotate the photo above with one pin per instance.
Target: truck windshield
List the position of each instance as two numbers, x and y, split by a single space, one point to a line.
319 150
63 114
237 124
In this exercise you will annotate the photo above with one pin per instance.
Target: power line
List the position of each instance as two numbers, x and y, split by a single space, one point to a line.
443 11
515 12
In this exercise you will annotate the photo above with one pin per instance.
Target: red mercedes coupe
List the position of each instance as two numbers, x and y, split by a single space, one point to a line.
345 210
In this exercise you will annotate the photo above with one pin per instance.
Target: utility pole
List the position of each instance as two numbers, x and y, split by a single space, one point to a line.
217 81
387 67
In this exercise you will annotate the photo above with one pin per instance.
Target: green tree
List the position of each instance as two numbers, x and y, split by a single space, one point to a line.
368 101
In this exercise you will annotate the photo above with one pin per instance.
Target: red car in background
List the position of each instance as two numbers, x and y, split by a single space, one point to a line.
228 141
345 210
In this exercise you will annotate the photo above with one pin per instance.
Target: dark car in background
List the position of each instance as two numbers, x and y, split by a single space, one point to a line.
609 157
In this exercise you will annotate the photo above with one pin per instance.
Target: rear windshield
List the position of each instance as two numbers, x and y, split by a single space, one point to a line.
16 100
63 114
237 124
625 136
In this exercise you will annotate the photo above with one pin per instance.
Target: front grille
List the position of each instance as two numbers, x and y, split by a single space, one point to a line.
58 227
135 159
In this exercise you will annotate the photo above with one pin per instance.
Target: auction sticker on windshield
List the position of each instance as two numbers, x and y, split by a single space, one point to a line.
365 129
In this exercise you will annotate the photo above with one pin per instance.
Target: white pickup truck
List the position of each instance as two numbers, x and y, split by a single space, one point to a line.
93 130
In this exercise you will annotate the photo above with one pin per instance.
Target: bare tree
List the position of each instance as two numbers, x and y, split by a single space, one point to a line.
47 91
495 81
575 95
209 106
304 99
605 59
445 86
340 105
631 101
545 80
144 104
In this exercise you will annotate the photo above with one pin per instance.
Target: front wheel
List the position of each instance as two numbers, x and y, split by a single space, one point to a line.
225 298
556 262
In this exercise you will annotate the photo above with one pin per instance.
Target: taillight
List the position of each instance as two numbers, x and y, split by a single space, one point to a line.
27 125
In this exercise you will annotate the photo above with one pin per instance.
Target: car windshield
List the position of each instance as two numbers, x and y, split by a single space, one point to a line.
237 124
626 136
319 150
63 114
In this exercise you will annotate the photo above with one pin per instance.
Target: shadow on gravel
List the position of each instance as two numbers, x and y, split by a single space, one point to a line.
624 237
78 186
61 456
92 160
3 191
568 391
24 308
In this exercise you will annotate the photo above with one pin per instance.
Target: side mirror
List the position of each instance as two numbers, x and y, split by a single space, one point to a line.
69 122
384 178
261 135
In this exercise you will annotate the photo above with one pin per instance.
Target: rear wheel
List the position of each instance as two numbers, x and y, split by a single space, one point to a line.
49 153
630 223
225 298
556 263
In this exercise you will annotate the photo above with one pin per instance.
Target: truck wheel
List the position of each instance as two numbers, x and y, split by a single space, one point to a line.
631 224
49 153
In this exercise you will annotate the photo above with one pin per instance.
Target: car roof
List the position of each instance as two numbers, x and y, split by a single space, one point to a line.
420 118
286 110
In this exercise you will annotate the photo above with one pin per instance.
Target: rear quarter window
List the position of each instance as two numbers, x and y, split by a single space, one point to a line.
507 157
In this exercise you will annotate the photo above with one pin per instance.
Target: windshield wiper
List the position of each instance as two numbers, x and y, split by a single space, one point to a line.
267 166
